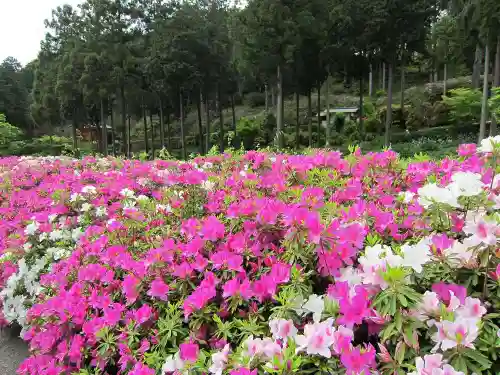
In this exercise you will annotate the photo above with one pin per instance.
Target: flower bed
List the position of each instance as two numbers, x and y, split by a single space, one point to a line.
253 264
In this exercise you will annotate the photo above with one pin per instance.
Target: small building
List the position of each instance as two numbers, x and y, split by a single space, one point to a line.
350 113
91 133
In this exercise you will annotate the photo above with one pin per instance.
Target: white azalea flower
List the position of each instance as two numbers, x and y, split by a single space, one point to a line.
100 211
127 193
351 275
86 207
75 197
56 235
164 208
207 185
89 189
315 305
415 256
431 193
31 228
488 144
466 184
407 196
172 363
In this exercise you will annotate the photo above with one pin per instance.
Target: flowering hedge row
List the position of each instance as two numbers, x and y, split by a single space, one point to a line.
254 264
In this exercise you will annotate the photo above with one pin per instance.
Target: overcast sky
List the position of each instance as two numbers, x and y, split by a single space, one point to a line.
21 26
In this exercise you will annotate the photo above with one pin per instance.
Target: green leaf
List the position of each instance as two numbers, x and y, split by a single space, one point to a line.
478 357
399 355
403 300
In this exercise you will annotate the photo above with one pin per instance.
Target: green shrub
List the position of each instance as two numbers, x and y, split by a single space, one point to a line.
494 103
255 99
464 105
49 145
9 137
339 121
248 131
369 108
351 131
399 116
373 125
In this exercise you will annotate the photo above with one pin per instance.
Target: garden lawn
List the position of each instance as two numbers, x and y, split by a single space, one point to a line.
255 263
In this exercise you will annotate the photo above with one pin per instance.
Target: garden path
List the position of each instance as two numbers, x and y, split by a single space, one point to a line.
12 351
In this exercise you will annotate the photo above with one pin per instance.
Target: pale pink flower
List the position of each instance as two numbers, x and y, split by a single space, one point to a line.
472 308
265 347
432 364
455 334
482 231
282 329
317 338
429 306
219 360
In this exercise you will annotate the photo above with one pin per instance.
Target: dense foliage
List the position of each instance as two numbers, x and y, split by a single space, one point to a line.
254 263
171 68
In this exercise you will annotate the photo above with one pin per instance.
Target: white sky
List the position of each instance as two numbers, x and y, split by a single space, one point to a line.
22 28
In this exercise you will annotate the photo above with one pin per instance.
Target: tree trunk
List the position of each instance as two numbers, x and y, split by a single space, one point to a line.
445 79
200 125
370 82
484 104
273 99
181 116
124 116
113 130
361 104
207 108
221 120
328 120
496 83
388 120
73 132
233 114
129 138
309 117
279 108
380 75
319 115
104 135
267 97
402 99
153 134
162 124
169 134
146 143
297 121
476 70
383 76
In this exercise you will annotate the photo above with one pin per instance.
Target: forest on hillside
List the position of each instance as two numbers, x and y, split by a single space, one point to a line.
107 63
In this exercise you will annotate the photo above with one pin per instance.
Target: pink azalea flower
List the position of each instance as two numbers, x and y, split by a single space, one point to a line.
159 289
359 361
141 369
243 371
130 288
212 229
189 352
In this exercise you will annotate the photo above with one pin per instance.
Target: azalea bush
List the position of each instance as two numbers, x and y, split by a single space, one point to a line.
255 263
